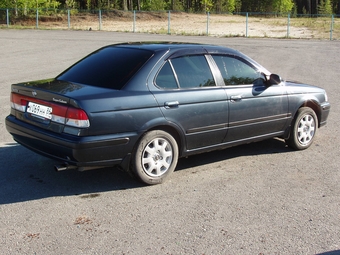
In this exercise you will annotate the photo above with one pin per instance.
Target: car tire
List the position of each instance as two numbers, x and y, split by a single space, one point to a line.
303 129
155 157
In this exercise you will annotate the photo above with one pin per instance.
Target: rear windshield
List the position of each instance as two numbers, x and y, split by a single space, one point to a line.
109 67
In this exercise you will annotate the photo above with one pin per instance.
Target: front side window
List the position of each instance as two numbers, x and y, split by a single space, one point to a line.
236 72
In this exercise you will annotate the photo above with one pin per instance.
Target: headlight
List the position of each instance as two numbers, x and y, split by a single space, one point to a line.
326 97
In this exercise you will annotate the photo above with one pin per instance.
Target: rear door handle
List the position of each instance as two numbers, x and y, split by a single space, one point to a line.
172 104
236 98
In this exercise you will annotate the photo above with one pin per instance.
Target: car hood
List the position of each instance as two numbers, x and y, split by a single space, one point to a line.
298 87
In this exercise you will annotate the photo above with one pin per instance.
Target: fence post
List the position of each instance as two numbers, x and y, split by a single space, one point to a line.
331 32
168 22
208 15
7 17
288 25
100 19
247 24
37 19
134 20
68 19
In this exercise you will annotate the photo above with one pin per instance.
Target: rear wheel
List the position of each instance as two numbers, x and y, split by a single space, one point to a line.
303 129
155 157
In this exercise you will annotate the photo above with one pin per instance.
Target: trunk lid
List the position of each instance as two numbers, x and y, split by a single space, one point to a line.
53 105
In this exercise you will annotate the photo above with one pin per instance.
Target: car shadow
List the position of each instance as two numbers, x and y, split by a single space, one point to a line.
27 176
264 147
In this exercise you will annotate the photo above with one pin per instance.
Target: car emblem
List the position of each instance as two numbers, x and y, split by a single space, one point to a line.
34 93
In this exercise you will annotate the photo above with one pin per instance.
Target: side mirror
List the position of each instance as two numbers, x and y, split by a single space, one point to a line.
274 79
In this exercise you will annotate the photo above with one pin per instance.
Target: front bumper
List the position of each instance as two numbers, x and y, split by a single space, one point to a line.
89 151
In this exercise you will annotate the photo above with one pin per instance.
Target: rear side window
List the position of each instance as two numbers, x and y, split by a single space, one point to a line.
165 78
109 67
236 72
193 71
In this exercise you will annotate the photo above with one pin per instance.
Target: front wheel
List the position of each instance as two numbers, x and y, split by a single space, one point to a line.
303 129
155 157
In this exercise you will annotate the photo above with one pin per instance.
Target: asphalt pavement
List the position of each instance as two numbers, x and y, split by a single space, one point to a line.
260 198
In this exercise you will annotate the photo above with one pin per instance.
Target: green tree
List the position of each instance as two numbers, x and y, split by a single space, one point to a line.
283 6
22 7
70 4
225 5
207 5
267 5
325 7
152 5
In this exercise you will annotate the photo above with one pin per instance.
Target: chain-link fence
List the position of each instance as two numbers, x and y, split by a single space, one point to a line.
228 25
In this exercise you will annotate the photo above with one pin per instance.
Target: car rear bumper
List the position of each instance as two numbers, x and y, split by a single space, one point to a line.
101 151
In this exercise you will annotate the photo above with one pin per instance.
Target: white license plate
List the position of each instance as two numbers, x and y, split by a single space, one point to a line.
40 110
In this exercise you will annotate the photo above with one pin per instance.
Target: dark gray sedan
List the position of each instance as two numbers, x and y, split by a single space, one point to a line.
143 105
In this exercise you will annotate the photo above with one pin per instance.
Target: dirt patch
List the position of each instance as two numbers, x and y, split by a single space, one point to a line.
183 24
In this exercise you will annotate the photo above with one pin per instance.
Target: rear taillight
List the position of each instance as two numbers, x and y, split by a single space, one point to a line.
18 102
77 118
62 114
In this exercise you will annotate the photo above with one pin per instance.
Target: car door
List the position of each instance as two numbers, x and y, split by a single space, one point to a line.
256 110
187 95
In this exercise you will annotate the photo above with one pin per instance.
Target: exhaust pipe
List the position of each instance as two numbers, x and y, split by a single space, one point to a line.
64 167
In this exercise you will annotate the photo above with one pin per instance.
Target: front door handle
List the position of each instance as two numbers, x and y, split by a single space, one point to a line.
172 104
236 98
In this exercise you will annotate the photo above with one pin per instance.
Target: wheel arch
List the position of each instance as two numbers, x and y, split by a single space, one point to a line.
167 126
314 106
174 132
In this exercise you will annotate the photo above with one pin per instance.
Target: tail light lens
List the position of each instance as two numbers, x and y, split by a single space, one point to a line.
76 118
18 103
62 114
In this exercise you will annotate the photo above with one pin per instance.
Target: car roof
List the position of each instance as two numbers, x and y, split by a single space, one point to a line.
174 46
177 49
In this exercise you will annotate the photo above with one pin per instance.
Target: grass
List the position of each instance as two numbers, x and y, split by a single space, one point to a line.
319 26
